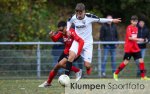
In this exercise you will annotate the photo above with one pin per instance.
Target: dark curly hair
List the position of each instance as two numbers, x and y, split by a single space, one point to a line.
62 24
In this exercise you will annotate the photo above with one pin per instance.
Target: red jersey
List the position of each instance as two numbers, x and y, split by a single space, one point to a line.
68 40
131 46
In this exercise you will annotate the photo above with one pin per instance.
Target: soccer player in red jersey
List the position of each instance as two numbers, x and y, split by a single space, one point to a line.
131 49
62 33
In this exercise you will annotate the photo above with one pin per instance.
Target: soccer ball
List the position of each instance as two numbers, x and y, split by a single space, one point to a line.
64 80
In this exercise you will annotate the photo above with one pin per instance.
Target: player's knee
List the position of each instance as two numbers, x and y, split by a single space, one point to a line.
72 56
141 60
55 69
87 65
60 65
126 62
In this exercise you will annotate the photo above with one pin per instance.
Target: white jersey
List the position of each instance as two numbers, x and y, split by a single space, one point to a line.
83 28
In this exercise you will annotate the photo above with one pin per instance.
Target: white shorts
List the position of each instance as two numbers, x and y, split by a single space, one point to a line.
86 53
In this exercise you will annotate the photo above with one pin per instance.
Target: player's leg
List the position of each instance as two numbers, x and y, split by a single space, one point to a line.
53 72
142 67
138 56
103 67
113 59
142 70
121 66
71 58
137 61
88 67
126 59
78 72
72 55
87 54
63 62
138 68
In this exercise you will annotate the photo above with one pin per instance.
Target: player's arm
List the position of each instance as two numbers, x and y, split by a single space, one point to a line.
94 18
69 23
79 40
55 37
133 37
105 20
136 39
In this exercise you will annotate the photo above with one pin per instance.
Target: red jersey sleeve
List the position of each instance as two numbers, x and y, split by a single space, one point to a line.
57 36
78 39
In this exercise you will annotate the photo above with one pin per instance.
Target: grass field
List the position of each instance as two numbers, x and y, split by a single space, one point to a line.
31 86
28 87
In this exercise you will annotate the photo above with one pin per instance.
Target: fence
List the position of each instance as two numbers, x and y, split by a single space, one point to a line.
36 63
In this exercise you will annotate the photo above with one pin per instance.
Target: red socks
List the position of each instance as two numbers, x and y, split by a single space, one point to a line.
141 65
88 71
75 69
121 66
51 76
142 68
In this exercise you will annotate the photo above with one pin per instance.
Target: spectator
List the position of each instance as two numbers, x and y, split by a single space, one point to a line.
143 32
108 32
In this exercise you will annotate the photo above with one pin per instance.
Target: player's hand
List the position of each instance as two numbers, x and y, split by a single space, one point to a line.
146 40
140 40
68 33
51 33
117 20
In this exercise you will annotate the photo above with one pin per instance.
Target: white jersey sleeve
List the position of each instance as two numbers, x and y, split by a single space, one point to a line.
105 20
69 22
68 25
94 18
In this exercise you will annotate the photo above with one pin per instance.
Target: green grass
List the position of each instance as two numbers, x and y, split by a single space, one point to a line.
29 87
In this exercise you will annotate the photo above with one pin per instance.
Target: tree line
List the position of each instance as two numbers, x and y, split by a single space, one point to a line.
31 20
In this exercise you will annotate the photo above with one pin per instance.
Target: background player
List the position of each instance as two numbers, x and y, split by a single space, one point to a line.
63 58
108 32
143 32
83 28
131 49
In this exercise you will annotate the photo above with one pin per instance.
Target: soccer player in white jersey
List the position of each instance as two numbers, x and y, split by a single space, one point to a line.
83 27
